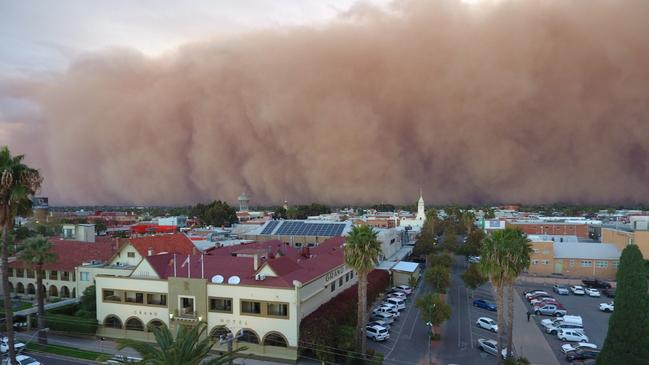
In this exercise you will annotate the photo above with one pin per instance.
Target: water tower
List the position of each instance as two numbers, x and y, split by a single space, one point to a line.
243 202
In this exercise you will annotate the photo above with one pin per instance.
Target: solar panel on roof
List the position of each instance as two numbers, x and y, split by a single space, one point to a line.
269 227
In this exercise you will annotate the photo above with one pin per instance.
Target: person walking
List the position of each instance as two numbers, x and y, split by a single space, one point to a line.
529 314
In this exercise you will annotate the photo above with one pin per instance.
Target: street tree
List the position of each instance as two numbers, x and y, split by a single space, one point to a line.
473 277
439 277
433 309
362 251
627 341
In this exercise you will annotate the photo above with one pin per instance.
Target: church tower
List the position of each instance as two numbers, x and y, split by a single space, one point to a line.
421 211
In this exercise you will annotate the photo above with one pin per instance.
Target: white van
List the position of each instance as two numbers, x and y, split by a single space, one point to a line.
567 323
399 303
565 319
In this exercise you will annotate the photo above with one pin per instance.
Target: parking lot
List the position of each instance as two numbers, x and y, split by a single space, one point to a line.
484 292
595 322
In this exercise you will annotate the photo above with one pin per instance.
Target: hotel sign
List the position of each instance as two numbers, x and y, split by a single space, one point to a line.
333 274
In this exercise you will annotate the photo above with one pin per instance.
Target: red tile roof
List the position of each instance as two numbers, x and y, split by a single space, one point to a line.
71 254
290 266
177 242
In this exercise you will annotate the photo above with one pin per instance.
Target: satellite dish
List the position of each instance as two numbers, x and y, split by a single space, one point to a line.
234 280
217 279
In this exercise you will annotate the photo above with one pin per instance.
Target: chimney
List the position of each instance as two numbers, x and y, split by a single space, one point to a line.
149 252
255 262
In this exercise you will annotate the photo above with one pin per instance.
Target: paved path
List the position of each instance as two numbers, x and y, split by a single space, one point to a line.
529 342
34 309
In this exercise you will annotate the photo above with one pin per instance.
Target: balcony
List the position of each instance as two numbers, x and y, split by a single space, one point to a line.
187 314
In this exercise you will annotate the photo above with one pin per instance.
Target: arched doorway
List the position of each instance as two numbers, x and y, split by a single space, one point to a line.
20 288
53 292
134 324
219 331
275 339
112 321
31 289
153 324
74 292
65 292
248 335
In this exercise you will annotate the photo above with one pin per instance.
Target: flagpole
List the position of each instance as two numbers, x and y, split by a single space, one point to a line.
189 266
202 266
174 264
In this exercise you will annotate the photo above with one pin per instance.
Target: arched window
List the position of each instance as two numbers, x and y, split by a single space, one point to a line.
249 336
11 287
153 324
112 321
219 331
65 292
134 324
20 288
53 292
275 339
31 289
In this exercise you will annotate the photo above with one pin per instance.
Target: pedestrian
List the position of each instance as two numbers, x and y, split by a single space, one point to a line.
529 314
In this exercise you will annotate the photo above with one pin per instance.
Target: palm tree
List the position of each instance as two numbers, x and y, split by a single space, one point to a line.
18 182
519 250
37 252
362 250
468 219
494 260
190 347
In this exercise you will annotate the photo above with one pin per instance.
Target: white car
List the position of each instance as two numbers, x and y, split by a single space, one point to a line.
398 294
382 316
606 307
581 345
487 323
385 308
377 333
404 288
592 292
23 360
577 290
379 322
490 346
4 347
572 335
473 259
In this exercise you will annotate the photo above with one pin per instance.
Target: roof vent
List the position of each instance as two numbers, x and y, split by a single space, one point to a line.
234 280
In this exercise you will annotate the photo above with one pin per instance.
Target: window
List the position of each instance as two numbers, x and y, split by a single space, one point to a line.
186 305
535 262
54 275
20 273
248 307
586 263
545 262
221 305
340 281
277 309
84 276
156 299
333 286
571 263
130 254
110 295
535 250
65 276
346 277
134 297
30 274
602 264
616 264
351 275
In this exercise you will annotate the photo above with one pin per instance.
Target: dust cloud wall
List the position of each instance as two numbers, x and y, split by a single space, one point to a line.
504 101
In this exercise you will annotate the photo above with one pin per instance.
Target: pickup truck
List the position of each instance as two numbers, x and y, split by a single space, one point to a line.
598 284
550 310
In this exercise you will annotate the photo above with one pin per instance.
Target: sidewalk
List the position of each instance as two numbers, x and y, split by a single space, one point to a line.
529 341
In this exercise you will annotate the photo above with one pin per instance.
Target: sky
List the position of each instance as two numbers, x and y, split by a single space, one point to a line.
341 102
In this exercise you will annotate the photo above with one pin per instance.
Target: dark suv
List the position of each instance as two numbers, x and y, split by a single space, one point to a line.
596 284
582 354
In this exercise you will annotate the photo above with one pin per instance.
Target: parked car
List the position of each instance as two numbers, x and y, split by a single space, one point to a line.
382 316
388 308
577 290
485 304
609 292
4 347
399 303
581 345
22 360
379 323
554 310
538 296
490 347
544 300
404 288
585 362
487 323
473 259
398 294
377 333
122 359
596 284
607 307
553 326
553 330
572 335
582 354
592 292
560 289
531 293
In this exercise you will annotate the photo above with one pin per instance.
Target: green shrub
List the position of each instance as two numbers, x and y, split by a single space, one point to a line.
69 323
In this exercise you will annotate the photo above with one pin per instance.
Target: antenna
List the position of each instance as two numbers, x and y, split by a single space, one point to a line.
217 279
234 280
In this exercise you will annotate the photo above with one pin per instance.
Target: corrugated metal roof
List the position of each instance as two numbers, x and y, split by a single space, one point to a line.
585 250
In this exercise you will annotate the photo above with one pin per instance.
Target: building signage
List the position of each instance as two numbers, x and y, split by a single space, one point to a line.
333 274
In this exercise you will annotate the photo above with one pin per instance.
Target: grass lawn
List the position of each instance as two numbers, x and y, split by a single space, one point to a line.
65 351
16 308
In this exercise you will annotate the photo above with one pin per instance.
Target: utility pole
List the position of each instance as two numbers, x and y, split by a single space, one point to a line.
229 338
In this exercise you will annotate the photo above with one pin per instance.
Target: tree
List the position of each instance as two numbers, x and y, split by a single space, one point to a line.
627 341
88 301
362 250
100 225
519 250
190 347
280 213
489 213
433 309
18 183
443 259
450 241
439 277
468 219
37 251
473 277
216 213
473 243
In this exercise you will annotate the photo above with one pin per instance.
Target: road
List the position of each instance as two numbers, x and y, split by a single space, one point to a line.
47 359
